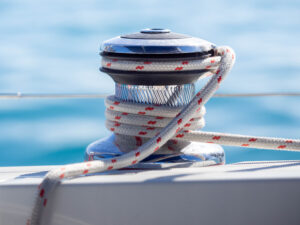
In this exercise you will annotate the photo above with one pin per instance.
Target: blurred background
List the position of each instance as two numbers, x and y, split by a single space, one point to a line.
53 46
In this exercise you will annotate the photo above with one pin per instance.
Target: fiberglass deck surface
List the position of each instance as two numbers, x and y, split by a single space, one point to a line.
242 193
238 171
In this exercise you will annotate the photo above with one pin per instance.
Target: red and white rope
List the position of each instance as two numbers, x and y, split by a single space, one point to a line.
167 65
139 120
133 118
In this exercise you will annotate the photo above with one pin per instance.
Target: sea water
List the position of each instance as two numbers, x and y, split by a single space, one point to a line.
52 47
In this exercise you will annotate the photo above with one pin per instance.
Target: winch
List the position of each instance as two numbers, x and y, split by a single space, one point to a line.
154 69
155 113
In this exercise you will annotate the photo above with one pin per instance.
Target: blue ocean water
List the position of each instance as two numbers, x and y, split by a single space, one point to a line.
52 47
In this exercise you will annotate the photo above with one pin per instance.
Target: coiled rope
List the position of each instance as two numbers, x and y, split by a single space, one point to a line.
138 120
134 119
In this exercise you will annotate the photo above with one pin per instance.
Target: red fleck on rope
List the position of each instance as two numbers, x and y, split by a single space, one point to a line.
167 125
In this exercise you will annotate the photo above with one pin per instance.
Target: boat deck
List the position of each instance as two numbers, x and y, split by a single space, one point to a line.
242 193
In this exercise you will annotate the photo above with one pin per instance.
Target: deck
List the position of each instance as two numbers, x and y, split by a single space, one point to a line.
235 194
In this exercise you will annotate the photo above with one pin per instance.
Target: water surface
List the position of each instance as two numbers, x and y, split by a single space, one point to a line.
52 47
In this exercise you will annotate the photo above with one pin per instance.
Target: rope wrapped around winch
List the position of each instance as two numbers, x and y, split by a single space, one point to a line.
135 119
169 123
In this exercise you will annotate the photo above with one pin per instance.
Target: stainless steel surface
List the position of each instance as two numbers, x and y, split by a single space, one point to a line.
190 153
171 95
164 45
155 30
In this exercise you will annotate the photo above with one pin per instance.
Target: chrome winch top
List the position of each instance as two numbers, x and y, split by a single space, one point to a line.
156 41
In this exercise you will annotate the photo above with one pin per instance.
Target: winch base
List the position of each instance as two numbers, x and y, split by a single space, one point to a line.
194 154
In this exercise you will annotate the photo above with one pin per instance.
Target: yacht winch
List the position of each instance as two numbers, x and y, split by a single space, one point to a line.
155 72
155 113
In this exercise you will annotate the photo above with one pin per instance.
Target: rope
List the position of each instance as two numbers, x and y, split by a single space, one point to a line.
139 120
136 115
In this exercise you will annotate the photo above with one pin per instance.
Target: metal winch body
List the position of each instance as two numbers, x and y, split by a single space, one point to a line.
160 86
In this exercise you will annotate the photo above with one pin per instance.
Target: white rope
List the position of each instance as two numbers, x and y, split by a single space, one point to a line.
136 115
210 63
134 119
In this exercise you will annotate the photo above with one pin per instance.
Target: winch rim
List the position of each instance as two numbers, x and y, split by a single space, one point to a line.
154 78
171 56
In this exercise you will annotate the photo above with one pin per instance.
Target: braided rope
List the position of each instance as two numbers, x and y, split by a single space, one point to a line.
167 65
134 119
130 118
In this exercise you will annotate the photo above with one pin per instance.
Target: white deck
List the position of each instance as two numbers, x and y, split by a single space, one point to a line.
241 194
